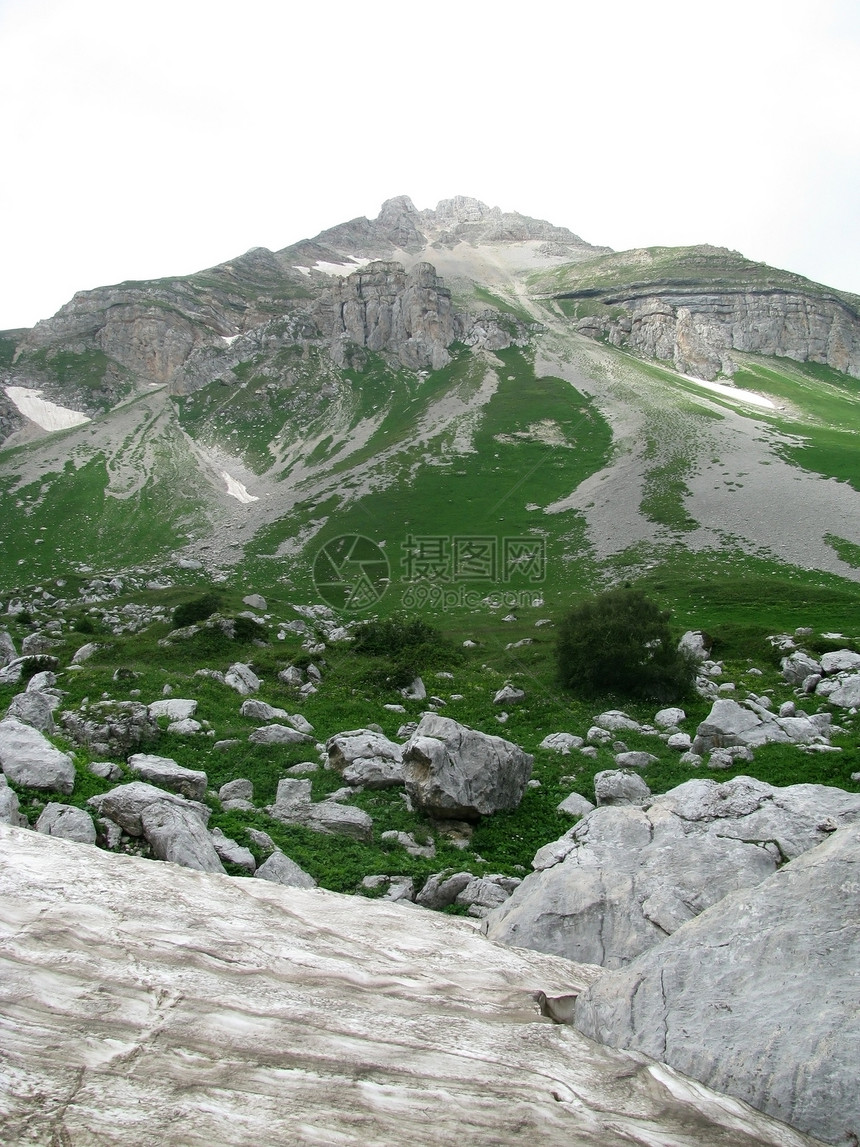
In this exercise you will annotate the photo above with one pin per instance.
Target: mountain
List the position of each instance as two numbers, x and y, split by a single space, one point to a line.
455 371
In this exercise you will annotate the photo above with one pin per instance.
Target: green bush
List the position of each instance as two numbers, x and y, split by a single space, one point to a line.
196 610
619 643
400 648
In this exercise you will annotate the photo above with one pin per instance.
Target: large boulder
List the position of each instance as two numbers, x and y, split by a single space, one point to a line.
625 877
7 648
168 774
455 772
756 997
242 678
366 758
34 709
730 723
281 870
125 805
68 822
177 834
28 758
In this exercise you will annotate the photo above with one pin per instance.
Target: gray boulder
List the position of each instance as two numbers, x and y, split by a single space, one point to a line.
626 877
667 718
166 773
798 666
454 772
177 834
255 601
7 648
340 819
842 661
242 678
366 758
42 683
695 643
175 708
442 889
635 760
237 790
68 822
509 695
729 724
614 720
292 801
756 997
34 709
11 674
126 804
620 787
231 852
279 869
561 742
278 735
9 810
260 710
575 805
847 692
28 758
85 652
484 893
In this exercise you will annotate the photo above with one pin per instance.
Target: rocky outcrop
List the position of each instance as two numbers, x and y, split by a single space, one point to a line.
386 309
626 877
698 331
757 996
181 986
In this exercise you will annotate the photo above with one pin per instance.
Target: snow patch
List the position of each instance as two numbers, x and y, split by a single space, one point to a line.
46 414
341 269
732 392
228 340
237 490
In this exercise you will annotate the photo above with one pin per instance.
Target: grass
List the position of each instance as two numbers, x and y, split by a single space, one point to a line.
738 599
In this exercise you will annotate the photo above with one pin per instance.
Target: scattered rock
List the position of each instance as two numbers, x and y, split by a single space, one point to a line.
278 735
174 708
242 678
9 809
407 840
561 742
575 805
508 695
68 822
232 853
29 759
34 709
366 758
635 760
166 773
255 601
240 789
620 787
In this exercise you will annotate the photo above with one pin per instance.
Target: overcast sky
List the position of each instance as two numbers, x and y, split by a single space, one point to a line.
150 139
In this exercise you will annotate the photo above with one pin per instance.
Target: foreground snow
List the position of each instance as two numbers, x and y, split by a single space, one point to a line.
237 490
144 1003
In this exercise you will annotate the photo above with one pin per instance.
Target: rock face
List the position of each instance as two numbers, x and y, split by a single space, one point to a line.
384 308
697 327
28 758
455 772
275 978
757 996
626 877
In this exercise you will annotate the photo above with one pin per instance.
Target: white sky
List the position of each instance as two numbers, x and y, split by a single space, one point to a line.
157 138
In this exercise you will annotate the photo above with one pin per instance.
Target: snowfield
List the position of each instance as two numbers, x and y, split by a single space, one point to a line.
46 414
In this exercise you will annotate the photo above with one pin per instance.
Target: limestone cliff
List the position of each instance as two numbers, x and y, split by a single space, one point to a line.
695 306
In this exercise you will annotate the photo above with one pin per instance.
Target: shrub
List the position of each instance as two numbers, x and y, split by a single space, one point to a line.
619 642
400 648
198 609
